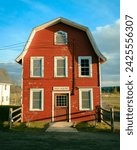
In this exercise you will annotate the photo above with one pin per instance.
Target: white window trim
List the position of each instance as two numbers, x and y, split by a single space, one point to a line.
90 66
31 101
66 66
56 43
31 66
80 98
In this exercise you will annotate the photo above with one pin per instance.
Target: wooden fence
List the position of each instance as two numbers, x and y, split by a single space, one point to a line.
14 115
100 116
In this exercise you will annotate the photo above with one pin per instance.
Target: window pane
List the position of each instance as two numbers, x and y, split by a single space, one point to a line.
60 71
60 67
61 100
37 67
85 70
86 99
37 98
61 37
85 63
61 62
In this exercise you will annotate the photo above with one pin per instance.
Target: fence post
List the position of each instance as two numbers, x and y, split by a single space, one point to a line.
112 119
10 117
99 113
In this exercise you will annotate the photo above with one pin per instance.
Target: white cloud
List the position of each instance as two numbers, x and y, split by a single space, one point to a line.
41 7
108 41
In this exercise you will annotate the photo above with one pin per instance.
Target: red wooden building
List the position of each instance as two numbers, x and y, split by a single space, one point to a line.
61 73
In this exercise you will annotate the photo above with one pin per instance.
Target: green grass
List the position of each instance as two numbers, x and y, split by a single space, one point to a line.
92 127
35 127
33 136
111 100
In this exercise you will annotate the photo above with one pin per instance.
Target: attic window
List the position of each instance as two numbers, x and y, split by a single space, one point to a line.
60 38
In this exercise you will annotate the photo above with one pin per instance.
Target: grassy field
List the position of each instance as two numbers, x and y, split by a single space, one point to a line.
111 100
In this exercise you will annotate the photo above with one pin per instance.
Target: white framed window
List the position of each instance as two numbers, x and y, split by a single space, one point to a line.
37 67
60 38
60 66
86 99
85 66
36 99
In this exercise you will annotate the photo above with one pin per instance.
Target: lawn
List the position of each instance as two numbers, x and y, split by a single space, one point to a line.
34 137
111 100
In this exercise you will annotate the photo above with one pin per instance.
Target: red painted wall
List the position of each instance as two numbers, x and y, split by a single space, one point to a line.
43 45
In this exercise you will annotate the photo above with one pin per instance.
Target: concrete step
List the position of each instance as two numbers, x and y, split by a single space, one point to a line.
61 127
61 124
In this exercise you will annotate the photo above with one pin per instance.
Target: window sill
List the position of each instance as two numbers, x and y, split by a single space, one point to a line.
85 76
36 110
60 77
36 77
86 109
60 44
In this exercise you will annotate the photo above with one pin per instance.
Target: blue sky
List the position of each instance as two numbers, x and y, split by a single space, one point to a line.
18 17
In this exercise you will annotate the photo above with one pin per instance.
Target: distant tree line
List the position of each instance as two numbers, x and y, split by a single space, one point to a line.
114 89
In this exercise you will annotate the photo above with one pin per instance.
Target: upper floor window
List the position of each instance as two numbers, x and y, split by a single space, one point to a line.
60 38
37 67
60 66
85 66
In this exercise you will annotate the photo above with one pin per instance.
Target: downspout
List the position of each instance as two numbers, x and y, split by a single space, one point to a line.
73 67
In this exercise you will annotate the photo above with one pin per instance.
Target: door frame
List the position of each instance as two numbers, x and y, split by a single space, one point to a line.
69 103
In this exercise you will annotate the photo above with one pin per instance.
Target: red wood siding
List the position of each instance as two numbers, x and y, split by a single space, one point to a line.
43 45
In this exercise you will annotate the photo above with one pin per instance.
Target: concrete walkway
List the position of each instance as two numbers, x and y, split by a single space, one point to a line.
61 127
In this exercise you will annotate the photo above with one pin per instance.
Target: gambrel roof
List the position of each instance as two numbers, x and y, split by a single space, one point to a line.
67 22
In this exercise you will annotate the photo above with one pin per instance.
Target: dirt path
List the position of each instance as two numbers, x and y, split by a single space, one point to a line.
58 141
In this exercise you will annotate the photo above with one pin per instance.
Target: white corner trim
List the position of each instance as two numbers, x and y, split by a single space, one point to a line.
100 86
